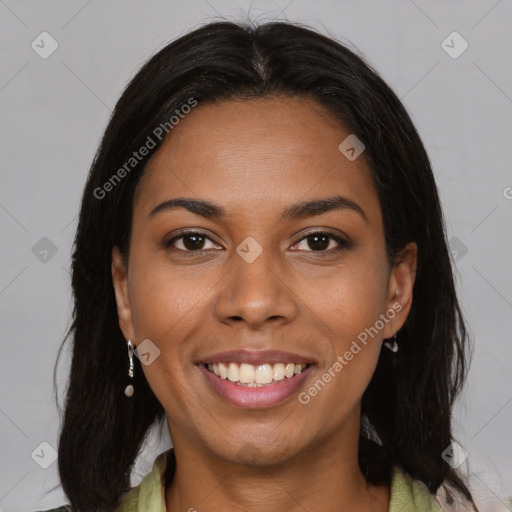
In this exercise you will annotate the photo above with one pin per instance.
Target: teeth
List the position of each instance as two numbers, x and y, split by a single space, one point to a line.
246 373
233 372
255 376
264 374
278 371
223 370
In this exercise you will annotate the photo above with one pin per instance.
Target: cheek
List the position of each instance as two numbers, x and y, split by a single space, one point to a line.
349 300
350 304
161 300
349 314
164 310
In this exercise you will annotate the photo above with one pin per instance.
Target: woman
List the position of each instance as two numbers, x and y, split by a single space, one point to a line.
261 223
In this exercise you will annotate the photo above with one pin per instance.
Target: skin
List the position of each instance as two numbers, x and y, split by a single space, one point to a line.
254 159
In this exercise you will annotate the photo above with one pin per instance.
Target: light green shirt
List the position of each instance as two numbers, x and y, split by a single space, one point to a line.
407 495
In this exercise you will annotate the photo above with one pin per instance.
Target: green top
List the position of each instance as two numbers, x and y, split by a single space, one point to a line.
149 496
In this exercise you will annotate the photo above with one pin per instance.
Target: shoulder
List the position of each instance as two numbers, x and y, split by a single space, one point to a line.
411 495
150 493
62 508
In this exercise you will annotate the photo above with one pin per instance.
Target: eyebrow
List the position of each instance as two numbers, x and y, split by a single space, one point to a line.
300 210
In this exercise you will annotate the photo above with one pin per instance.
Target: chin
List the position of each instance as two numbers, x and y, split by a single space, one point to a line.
252 453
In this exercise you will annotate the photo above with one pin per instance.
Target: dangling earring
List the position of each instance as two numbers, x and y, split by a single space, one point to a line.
128 391
393 346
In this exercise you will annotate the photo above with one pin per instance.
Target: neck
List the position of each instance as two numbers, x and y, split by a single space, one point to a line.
323 477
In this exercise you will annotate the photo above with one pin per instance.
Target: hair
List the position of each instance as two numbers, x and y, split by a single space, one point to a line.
406 409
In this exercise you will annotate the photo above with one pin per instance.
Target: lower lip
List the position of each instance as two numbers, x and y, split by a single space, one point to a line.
255 397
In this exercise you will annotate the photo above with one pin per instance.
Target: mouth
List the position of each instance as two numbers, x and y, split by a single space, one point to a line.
255 379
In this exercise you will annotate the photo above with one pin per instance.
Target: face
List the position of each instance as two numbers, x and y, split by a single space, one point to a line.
257 245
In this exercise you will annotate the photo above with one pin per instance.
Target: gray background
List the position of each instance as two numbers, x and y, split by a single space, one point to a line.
54 111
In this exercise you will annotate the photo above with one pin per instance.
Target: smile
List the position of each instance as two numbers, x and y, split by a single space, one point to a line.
258 380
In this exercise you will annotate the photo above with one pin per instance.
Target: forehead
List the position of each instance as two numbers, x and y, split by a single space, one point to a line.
253 153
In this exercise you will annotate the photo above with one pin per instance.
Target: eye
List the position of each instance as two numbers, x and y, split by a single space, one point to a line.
320 241
194 242
191 241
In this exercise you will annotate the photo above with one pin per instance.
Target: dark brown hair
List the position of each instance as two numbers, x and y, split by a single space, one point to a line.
406 409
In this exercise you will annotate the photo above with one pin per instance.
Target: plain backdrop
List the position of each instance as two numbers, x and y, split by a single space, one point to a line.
54 111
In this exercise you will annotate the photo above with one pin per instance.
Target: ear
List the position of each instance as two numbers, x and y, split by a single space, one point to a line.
120 282
400 286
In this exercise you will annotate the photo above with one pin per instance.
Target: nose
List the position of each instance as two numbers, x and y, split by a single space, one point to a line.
256 294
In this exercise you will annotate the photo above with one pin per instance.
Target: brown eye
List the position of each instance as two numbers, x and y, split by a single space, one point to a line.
324 242
189 242
193 242
318 242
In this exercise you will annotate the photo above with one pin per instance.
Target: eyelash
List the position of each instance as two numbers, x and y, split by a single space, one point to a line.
343 243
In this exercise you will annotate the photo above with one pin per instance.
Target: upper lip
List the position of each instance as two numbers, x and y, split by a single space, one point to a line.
255 357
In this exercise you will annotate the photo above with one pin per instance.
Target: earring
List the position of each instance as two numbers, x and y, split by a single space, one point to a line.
128 391
393 346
